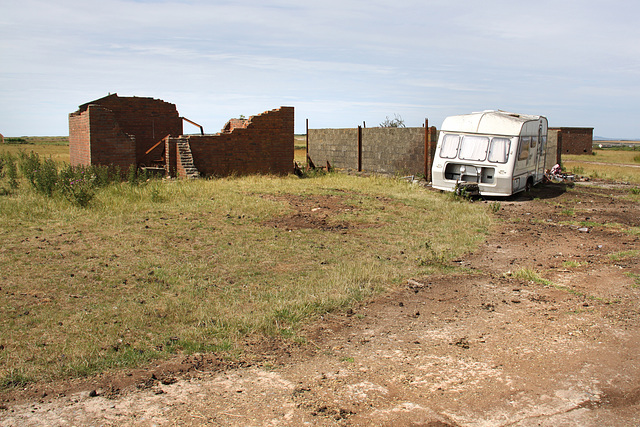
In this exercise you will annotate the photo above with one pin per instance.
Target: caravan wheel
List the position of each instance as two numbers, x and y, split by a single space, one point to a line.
529 185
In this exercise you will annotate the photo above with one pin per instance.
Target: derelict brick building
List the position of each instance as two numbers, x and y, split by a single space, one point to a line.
573 140
125 131
121 130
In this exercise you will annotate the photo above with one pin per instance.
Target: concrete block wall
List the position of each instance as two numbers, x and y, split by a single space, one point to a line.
393 150
264 145
384 150
337 146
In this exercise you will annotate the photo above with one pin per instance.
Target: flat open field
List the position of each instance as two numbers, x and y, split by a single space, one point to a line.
537 326
55 147
332 300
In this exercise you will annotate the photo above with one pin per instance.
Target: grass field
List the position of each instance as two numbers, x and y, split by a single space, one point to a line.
175 266
608 156
300 149
183 266
56 147
614 168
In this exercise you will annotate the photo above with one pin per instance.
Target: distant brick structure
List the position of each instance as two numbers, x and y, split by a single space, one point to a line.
262 144
1 139
574 140
121 130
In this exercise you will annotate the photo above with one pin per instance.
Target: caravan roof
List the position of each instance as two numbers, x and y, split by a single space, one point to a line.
488 122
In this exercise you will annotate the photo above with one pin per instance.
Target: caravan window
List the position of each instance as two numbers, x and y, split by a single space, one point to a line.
523 153
499 150
474 148
449 149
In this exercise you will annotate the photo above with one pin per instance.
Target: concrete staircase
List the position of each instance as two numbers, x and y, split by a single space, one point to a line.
186 159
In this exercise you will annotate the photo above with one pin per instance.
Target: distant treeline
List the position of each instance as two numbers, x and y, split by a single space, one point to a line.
16 141
39 140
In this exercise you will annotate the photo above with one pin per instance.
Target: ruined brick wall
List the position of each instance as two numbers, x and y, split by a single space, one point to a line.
79 142
109 144
146 121
263 146
384 150
575 140
171 156
95 137
235 124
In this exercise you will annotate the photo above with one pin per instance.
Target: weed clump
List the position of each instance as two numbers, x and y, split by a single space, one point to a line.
78 184
9 170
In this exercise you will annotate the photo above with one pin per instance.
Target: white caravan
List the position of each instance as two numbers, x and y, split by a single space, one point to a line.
492 153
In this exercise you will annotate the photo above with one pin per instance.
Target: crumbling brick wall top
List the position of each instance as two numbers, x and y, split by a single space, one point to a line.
263 144
234 124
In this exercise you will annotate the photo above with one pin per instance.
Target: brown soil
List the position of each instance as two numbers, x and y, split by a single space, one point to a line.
479 347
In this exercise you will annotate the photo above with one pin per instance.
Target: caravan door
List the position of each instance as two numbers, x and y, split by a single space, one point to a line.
541 159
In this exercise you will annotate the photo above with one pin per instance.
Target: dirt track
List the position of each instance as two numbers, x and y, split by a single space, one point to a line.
480 347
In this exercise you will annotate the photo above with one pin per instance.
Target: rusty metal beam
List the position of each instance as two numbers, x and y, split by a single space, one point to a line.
154 147
194 123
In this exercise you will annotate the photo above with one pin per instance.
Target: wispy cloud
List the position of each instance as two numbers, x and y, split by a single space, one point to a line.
337 62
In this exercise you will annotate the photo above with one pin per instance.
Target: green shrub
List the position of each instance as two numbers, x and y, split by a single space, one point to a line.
46 177
132 175
8 170
11 171
76 184
29 164
42 175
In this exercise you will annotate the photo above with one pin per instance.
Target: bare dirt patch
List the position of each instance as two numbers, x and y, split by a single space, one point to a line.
481 346
317 212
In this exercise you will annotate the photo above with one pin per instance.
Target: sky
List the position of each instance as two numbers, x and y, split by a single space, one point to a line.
340 63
